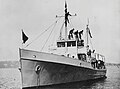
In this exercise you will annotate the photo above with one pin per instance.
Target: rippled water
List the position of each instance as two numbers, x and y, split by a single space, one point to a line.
10 79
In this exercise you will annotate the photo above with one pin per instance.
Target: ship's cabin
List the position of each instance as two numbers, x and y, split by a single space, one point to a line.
69 48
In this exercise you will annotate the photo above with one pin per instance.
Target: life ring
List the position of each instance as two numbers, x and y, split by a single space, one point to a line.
37 69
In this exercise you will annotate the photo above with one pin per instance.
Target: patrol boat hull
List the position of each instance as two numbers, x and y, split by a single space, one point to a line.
41 69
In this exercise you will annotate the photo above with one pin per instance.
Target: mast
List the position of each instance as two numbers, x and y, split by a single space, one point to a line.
66 19
67 14
88 35
87 31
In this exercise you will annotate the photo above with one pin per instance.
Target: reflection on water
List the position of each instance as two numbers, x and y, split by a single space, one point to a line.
97 84
10 79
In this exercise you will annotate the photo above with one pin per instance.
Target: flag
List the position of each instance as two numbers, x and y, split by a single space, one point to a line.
24 37
65 4
90 33
65 7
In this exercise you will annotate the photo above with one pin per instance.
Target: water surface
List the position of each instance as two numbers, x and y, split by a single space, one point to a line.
10 78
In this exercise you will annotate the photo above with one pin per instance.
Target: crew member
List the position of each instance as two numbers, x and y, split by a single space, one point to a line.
71 33
80 33
66 16
76 34
89 53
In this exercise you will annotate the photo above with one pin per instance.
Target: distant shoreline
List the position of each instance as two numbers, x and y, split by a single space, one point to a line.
112 64
15 64
9 64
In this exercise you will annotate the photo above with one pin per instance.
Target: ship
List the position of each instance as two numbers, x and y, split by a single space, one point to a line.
72 61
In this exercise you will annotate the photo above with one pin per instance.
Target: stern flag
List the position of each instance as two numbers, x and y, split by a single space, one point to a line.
90 33
24 37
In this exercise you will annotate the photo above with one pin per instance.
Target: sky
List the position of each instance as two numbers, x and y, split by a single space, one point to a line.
34 16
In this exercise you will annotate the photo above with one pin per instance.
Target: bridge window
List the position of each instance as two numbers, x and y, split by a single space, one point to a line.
60 44
71 43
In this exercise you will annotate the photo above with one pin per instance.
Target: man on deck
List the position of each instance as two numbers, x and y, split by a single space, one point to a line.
76 35
66 16
71 33
80 33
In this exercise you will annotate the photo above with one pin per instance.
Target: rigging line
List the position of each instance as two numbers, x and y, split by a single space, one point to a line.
71 23
41 34
61 29
49 36
86 36
56 34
